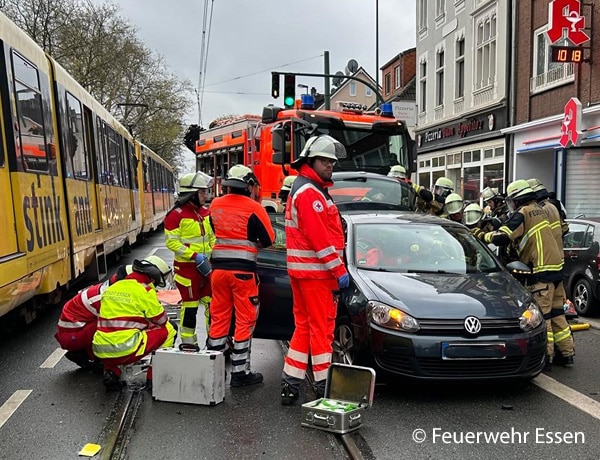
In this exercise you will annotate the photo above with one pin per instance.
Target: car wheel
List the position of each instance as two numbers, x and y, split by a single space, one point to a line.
343 343
583 297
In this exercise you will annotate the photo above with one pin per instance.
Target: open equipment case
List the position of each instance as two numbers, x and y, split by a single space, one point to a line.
348 393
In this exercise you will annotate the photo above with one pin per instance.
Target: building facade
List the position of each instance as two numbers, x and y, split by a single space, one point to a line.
553 137
398 77
463 54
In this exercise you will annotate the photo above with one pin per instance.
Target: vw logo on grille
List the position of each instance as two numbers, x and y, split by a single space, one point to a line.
472 325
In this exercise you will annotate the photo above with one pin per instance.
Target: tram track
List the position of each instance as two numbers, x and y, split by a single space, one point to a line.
118 429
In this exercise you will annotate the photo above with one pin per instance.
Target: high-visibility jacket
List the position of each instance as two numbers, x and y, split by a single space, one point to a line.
555 221
536 246
240 224
188 232
128 307
313 228
82 309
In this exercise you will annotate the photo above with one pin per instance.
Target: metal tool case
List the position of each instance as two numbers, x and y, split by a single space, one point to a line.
195 377
350 386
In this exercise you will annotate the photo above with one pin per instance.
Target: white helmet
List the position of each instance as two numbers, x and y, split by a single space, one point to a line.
287 183
443 186
397 171
323 146
193 182
240 176
153 266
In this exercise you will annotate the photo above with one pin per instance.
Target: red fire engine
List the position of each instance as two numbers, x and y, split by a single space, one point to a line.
374 142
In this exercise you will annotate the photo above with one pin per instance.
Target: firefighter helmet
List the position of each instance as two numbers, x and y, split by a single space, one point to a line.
398 172
518 189
473 214
323 146
287 183
536 185
489 193
153 266
193 182
240 176
453 203
443 186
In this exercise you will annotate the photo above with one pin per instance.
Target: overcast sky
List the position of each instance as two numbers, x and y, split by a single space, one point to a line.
249 39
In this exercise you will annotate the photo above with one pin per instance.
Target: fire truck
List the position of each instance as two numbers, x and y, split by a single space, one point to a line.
374 142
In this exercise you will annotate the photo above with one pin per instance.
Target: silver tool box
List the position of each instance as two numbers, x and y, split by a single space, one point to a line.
348 393
188 376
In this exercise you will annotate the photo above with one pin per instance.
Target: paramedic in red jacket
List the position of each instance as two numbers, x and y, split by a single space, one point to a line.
77 322
315 244
241 226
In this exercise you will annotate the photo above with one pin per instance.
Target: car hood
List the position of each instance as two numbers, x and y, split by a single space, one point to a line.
447 296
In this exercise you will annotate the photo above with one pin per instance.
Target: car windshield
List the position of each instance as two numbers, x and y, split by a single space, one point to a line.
419 248
363 192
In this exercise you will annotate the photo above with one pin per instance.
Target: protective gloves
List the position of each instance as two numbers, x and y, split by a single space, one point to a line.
200 258
344 281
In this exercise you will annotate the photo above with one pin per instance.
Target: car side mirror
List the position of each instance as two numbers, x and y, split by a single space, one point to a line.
519 268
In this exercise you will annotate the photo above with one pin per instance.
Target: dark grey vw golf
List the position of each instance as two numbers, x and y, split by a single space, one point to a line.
426 300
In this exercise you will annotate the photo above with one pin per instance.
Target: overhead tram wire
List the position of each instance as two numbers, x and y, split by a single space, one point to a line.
262 71
204 56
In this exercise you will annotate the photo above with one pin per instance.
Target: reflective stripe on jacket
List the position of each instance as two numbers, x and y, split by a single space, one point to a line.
83 308
128 307
239 223
188 232
536 244
313 228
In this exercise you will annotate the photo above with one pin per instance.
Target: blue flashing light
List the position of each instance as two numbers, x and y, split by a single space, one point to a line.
387 110
307 101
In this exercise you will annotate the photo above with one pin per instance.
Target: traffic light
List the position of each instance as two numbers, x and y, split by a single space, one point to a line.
289 90
275 84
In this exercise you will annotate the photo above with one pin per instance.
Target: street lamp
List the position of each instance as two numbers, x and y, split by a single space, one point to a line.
300 85
377 44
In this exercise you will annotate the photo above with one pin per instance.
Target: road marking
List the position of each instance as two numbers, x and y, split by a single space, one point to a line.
53 358
579 400
13 403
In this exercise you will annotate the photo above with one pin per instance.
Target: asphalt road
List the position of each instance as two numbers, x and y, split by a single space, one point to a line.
49 410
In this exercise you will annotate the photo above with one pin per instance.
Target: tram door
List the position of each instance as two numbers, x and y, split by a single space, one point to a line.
8 241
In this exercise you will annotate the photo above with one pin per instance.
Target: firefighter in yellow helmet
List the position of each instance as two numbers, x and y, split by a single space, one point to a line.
561 331
434 202
494 206
529 228
189 235
241 226
473 216
453 207
132 323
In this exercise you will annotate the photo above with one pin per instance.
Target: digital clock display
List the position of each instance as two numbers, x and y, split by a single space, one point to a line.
567 54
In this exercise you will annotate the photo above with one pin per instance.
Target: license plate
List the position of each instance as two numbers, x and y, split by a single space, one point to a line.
492 350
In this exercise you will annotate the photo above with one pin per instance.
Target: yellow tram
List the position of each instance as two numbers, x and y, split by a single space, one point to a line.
74 185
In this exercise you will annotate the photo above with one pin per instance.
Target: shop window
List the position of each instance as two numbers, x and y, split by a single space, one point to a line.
488 153
493 176
472 178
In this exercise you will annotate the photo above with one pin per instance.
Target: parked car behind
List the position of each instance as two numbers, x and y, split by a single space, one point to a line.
426 300
582 259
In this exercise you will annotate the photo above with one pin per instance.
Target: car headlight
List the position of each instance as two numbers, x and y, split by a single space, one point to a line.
531 318
392 318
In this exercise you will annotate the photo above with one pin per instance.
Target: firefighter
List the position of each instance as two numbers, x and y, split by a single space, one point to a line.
433 203
399 172
78 319
132 322
453 207
494 206
241 226
189 235
315 243
285 189
528 226
473 217
561 331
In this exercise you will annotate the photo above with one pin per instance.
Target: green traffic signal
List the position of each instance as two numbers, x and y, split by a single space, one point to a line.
289 101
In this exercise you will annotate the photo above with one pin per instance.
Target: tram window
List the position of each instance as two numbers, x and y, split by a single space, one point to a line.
77 157
29 129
